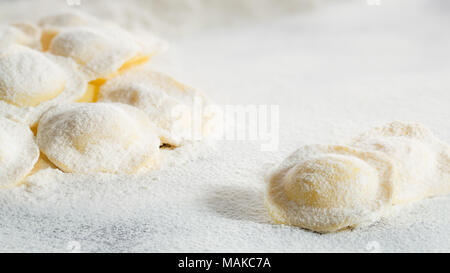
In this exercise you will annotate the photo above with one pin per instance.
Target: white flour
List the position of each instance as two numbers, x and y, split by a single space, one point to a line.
335 71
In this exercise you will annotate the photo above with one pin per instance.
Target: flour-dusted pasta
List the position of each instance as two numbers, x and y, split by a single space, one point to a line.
18 152
53 24
99 52
102 49
100 137
50 77
170 105
421 161
22 33
31 82
329 188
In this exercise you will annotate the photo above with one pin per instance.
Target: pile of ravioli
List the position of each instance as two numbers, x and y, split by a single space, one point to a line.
75 95
328 188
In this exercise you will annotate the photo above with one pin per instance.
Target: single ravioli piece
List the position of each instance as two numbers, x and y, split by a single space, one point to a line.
176 109
330 188
31 82
98 138
18 152
103 51
22 33
421 161
55 23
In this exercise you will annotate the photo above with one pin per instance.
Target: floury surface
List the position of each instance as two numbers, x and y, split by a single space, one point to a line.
335 70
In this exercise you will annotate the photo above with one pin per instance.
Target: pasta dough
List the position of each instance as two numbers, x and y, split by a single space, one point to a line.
101 137
53 24
65 59
168 103
422 161
29 78
101 48
18 152
21 33
99 52
329 188
31 82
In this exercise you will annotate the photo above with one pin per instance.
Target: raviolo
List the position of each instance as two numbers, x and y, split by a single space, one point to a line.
53 24
18 152
169 104
101 51
98 138
421 160
31 82
28 77
22 33
329 188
